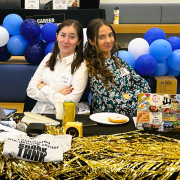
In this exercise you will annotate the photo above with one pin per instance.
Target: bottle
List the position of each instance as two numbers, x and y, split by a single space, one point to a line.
68 112
116 16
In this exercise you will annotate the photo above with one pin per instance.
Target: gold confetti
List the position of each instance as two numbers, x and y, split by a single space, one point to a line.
131 155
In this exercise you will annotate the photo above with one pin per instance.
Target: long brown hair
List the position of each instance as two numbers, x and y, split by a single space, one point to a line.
94 58
79 49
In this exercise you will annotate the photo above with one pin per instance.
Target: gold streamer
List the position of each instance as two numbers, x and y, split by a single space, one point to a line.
131 155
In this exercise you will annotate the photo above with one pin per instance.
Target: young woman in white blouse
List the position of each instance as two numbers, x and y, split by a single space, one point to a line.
62 74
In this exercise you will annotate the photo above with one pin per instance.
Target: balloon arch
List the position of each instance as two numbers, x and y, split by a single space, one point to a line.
153 55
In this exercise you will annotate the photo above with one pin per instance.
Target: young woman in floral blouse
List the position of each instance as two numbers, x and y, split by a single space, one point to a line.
114 84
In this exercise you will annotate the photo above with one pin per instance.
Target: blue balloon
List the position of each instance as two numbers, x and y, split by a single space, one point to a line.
46 43
128 57
12 23
48 32
154 34
16 45
34 52
30 29
162 68
174 60
4 53
49 48
175 42
172 72
160 49
145 64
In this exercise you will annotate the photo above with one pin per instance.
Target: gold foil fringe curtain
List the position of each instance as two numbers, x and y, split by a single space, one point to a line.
122 156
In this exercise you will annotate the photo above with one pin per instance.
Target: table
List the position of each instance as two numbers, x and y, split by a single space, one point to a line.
102 129
90 129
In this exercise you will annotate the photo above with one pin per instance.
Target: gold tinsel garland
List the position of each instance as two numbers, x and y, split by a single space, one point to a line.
130 155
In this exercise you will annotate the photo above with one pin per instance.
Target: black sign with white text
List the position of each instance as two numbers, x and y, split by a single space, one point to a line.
53 18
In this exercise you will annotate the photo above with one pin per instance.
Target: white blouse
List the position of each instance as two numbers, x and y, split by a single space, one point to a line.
55 82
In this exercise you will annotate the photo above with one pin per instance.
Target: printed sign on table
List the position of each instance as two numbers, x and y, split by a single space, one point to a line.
31 4
59 4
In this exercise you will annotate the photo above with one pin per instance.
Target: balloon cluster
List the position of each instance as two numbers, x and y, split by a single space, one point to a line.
154 55
18 37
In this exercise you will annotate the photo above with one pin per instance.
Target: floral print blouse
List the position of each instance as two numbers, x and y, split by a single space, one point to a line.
126 81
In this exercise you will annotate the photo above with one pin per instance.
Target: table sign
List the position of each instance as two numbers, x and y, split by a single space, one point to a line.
59 4
32 4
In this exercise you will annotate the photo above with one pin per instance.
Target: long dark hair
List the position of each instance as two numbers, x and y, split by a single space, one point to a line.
94 58
79 49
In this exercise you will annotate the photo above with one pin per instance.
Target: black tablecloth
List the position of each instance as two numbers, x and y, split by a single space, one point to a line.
104 129
91 128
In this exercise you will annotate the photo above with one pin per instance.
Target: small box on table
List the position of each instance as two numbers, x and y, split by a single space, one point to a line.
74 128
166 84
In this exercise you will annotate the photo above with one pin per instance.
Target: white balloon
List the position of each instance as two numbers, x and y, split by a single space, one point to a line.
138 47
85 37
4 36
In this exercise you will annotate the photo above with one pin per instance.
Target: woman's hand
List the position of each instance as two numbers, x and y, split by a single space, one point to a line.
41 86
67 90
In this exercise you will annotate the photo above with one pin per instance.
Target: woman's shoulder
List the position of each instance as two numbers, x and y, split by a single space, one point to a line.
83 64
82 67
46 58
122 61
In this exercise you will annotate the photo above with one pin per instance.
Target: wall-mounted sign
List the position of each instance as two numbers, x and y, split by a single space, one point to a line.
59 4
31 4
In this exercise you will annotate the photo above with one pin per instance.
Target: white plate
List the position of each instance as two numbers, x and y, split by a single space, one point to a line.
103 118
